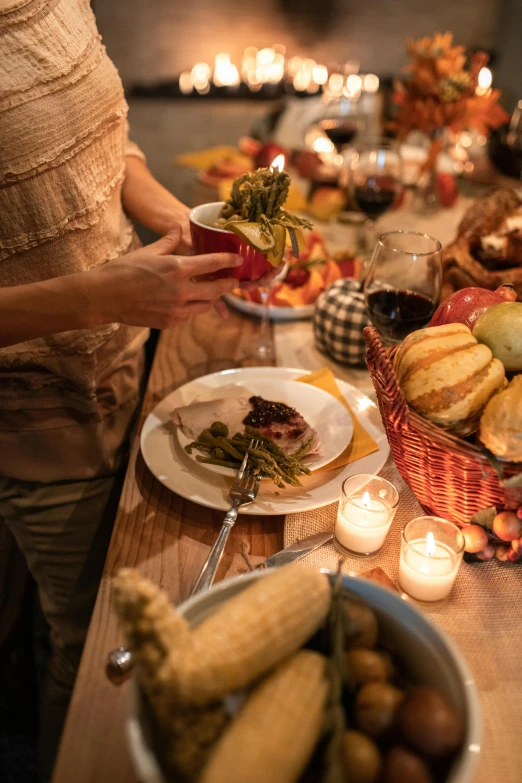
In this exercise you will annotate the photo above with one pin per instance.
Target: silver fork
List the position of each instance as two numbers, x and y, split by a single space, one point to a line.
120 661
243 491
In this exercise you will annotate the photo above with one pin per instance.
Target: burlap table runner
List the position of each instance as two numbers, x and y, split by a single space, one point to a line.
482 616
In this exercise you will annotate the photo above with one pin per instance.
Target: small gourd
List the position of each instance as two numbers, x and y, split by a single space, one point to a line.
501 423
447 377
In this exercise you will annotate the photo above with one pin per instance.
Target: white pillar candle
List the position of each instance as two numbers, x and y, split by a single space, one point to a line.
427 568
362 523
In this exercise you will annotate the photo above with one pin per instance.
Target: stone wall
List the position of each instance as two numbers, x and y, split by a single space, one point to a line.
157 39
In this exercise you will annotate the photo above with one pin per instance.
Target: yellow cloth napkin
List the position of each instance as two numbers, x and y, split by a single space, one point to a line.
204 159
362 443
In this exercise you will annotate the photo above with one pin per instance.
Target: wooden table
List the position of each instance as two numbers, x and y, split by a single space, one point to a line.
168 539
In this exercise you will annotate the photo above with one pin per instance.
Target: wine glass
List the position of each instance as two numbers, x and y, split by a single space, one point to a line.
374 181
402 286
262 351
341 120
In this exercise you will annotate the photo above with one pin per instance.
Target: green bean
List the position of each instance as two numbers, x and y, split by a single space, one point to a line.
227 446
211 461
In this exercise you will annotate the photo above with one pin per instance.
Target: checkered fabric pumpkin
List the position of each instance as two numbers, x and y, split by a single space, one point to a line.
340 316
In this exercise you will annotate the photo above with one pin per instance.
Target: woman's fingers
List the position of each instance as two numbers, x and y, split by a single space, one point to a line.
194 266
221 308
208 290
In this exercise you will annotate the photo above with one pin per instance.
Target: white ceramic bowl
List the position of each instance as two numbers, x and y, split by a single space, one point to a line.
429 656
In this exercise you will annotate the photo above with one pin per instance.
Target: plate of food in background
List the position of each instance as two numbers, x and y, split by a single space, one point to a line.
293 298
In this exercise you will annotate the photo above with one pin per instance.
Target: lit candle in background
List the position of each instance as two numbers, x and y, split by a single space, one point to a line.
278 163
431 552
366 510
485 78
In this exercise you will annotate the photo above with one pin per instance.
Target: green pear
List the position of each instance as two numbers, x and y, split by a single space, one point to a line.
500 328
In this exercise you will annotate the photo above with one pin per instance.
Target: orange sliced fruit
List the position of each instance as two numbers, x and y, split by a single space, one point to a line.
275 256
251 233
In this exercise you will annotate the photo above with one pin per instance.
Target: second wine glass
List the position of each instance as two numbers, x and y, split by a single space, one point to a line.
374 181
402 286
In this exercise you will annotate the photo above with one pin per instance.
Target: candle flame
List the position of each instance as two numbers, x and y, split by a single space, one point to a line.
278 163
366 501
485 78
430 544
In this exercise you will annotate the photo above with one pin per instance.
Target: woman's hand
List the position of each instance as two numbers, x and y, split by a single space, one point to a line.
152 287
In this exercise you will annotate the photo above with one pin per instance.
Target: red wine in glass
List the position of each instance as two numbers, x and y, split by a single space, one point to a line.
340 132
395 313
374 201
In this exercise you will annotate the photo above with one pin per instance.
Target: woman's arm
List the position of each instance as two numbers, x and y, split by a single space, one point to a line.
148 202
149 287
44 308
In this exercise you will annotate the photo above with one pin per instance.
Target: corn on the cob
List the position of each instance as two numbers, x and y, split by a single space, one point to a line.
152 627
246 637
250 634
274 735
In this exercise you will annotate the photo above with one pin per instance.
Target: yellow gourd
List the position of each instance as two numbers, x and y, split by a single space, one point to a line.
501 423
447 377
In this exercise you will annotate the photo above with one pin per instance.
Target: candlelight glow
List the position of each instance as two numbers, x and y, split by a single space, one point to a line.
485 78
185 83
366 501
266 56
353 86
430 544
322 144
320 74
200 75
278 163
371 82
225 72
336 83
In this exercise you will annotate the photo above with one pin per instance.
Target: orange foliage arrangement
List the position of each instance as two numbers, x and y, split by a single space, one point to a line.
441 91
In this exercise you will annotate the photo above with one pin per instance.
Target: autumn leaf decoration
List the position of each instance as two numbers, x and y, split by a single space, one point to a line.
440 90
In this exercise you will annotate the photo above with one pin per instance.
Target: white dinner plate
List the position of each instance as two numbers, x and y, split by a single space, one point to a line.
301 313
166 459
321 411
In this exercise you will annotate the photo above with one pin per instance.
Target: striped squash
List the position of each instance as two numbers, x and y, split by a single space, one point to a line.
447 376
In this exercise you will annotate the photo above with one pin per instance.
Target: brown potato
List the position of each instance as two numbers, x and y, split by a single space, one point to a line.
429 723
375 708
362 758
368 665
363 621
403 766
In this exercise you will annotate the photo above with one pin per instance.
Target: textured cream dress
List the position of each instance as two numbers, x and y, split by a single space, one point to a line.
65 401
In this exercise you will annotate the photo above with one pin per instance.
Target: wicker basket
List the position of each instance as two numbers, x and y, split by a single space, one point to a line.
449 477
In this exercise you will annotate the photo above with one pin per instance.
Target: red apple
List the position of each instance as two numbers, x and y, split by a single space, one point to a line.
468 304
268 153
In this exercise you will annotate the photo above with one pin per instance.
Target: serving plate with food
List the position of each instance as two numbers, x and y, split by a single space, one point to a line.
293 297
292 675
168 460
215 428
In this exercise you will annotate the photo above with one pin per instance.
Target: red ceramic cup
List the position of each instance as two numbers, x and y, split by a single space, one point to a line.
206 239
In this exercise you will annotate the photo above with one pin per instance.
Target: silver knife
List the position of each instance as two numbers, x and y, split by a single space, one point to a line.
296 551
120 661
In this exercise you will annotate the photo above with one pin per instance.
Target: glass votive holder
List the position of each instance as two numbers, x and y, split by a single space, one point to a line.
431 553
366 510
